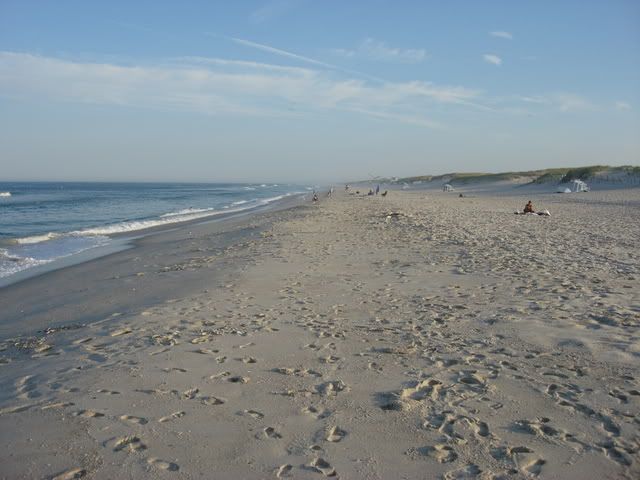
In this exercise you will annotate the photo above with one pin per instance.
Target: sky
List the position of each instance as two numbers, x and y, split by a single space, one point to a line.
304 90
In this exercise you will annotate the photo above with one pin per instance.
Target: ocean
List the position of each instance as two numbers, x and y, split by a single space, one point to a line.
41 222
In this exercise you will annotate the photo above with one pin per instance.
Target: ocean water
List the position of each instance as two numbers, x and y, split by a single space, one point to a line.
41 222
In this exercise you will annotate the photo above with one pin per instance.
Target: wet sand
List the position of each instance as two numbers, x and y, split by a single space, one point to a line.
419 335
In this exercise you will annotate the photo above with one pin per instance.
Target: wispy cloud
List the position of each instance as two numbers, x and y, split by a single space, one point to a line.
570 102
282 53
295 56
220 86
501 34
564 102
380 51
491 58
622 105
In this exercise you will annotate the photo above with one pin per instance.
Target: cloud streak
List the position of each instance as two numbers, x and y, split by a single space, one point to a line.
301 58
220 87
492 59
379 51
282 53
622 105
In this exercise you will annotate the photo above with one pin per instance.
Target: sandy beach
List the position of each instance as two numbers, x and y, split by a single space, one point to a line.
416 336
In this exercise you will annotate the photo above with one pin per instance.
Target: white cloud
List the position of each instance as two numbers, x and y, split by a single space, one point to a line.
565 102
377 50
295 56
622 105
501 34
282 53
570 102
493 59
219 86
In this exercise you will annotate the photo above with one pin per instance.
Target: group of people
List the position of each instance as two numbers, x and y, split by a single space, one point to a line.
371 191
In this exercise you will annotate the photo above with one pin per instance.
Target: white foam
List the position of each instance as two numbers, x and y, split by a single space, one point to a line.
5 194
186 211
165 219
133 226
37 238
9 268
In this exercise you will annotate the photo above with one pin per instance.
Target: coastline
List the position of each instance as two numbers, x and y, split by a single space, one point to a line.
420 335
38 293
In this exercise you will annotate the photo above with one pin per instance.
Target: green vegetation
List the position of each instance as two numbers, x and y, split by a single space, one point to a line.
582 173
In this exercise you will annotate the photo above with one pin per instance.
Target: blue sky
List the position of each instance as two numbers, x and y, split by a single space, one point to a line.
288 90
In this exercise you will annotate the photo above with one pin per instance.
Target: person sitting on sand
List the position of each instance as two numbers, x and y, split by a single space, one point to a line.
528 208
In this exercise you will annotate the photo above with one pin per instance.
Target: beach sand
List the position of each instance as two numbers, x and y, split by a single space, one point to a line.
421 335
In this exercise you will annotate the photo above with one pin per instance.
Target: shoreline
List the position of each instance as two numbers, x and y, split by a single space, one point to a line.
418 336
108 238
125 240
44 279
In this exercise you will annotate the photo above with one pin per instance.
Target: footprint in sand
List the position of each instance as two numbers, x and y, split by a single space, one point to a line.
298 372
211 400
270 432
329 359
130 443
252 413
534 467
70 474
108 392
316 412
467 472
206 351
374 366
322 466
172 416
163 465
612 451
88 414
238 379
190 394
441 452
174 369
57 405
132 419
330 389
122 331
336 434
284 470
